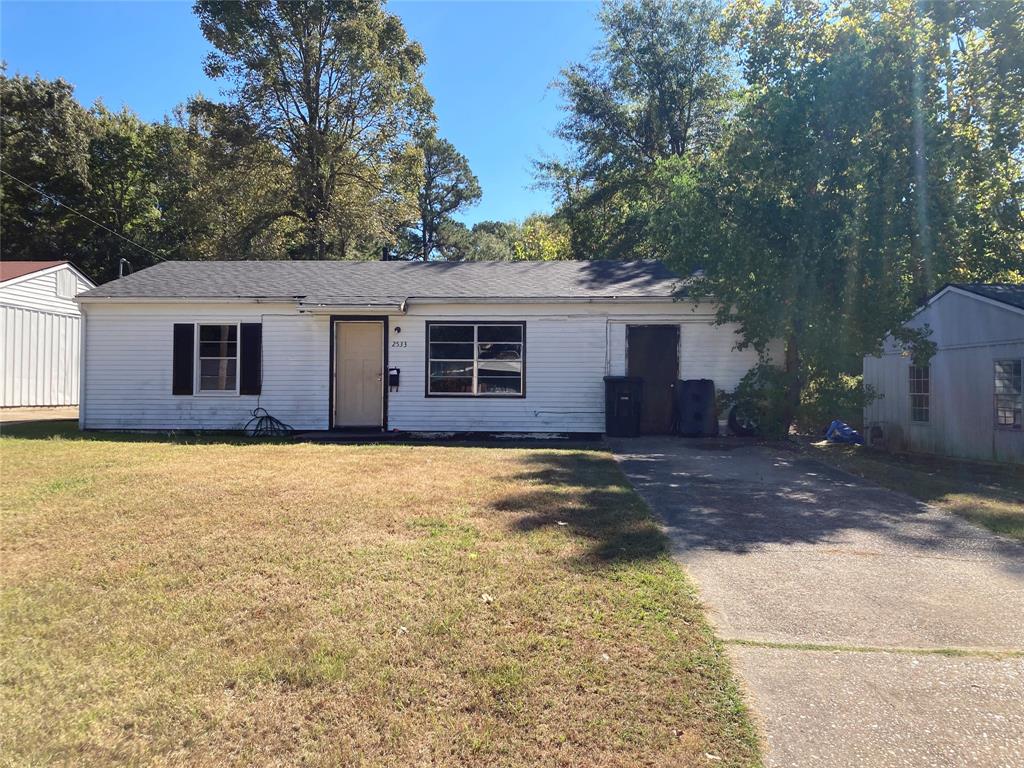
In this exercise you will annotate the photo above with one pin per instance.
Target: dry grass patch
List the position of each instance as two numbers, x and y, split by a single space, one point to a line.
229 603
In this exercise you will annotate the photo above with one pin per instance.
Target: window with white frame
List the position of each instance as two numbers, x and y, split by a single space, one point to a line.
475 359
920 393
1009 393
217 364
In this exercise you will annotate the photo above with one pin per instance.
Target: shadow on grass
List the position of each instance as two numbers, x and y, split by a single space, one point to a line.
587 494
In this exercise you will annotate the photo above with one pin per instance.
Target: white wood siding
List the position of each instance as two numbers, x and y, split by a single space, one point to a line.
39 340
564 376
970 335
569 350
706 350
128 367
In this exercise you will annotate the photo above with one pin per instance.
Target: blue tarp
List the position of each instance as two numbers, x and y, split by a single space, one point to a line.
841 432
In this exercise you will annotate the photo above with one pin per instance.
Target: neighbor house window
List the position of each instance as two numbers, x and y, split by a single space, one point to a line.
475 359
217 368
1009 391
920 392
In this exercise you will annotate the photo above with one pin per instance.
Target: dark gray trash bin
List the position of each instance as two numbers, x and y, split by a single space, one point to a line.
695 408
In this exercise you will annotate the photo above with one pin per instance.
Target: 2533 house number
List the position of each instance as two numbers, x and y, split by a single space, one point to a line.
395 344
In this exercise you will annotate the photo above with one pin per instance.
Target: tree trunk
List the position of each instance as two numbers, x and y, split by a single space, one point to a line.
794 383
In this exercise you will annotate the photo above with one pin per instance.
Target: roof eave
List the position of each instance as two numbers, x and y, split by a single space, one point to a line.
187 299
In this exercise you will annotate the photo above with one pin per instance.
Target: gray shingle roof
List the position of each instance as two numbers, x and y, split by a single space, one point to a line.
371 282
1004 292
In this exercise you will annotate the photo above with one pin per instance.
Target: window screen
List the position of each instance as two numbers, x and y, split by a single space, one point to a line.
218 358
920 393
1009 393
475 359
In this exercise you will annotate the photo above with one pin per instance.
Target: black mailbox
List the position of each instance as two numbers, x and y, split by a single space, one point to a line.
393 376
622 403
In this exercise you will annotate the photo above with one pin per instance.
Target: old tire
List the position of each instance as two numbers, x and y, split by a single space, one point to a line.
744 420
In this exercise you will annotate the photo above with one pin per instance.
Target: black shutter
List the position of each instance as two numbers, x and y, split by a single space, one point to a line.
184 358
251 363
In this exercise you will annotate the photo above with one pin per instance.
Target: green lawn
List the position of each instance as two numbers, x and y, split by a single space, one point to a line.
221 602
991 495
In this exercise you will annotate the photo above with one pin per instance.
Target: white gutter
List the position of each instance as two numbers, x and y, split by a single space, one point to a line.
390 307
336 309
542 300
186 300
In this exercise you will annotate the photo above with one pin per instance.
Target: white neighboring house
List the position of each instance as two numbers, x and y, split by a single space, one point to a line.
39 332
425 347
969 400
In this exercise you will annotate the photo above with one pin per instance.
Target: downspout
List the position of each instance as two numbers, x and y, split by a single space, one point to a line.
81 368
607 346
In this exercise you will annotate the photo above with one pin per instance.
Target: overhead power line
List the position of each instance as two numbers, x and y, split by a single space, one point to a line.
79 213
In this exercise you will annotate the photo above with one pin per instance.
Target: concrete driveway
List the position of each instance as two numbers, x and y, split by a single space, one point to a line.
871 630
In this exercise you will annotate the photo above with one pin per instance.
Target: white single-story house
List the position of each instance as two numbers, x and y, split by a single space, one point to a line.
407 346
969 400
39 332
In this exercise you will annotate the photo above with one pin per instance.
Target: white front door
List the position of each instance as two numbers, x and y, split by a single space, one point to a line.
359 373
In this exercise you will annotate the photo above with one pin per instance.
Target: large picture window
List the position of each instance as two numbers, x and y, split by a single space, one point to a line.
217 368
920 393
475 359
1009 392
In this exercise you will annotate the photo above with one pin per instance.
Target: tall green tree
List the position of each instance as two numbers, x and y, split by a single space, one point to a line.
864 168
335 85
657 87
448 186
44 143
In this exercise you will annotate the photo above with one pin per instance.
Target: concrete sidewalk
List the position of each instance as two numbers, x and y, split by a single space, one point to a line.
870 630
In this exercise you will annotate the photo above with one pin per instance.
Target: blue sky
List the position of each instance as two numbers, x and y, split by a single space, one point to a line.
489 67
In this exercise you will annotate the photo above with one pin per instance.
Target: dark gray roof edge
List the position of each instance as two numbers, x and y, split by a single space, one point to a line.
1010 294
362 281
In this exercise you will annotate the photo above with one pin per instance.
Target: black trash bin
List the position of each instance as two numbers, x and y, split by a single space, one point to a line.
622 402
695 408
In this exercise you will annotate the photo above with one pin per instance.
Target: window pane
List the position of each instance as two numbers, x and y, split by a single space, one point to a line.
217 375
450 351
918 380
451 369
218 340
499 368
499 386
919 407
1008 377
217 348
218 333
500 333
492 351
451 333
451 385
1009 410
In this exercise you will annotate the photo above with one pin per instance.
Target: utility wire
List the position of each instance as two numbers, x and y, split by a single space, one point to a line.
78 213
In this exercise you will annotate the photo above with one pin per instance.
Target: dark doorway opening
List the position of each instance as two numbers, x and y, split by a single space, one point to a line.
652 353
